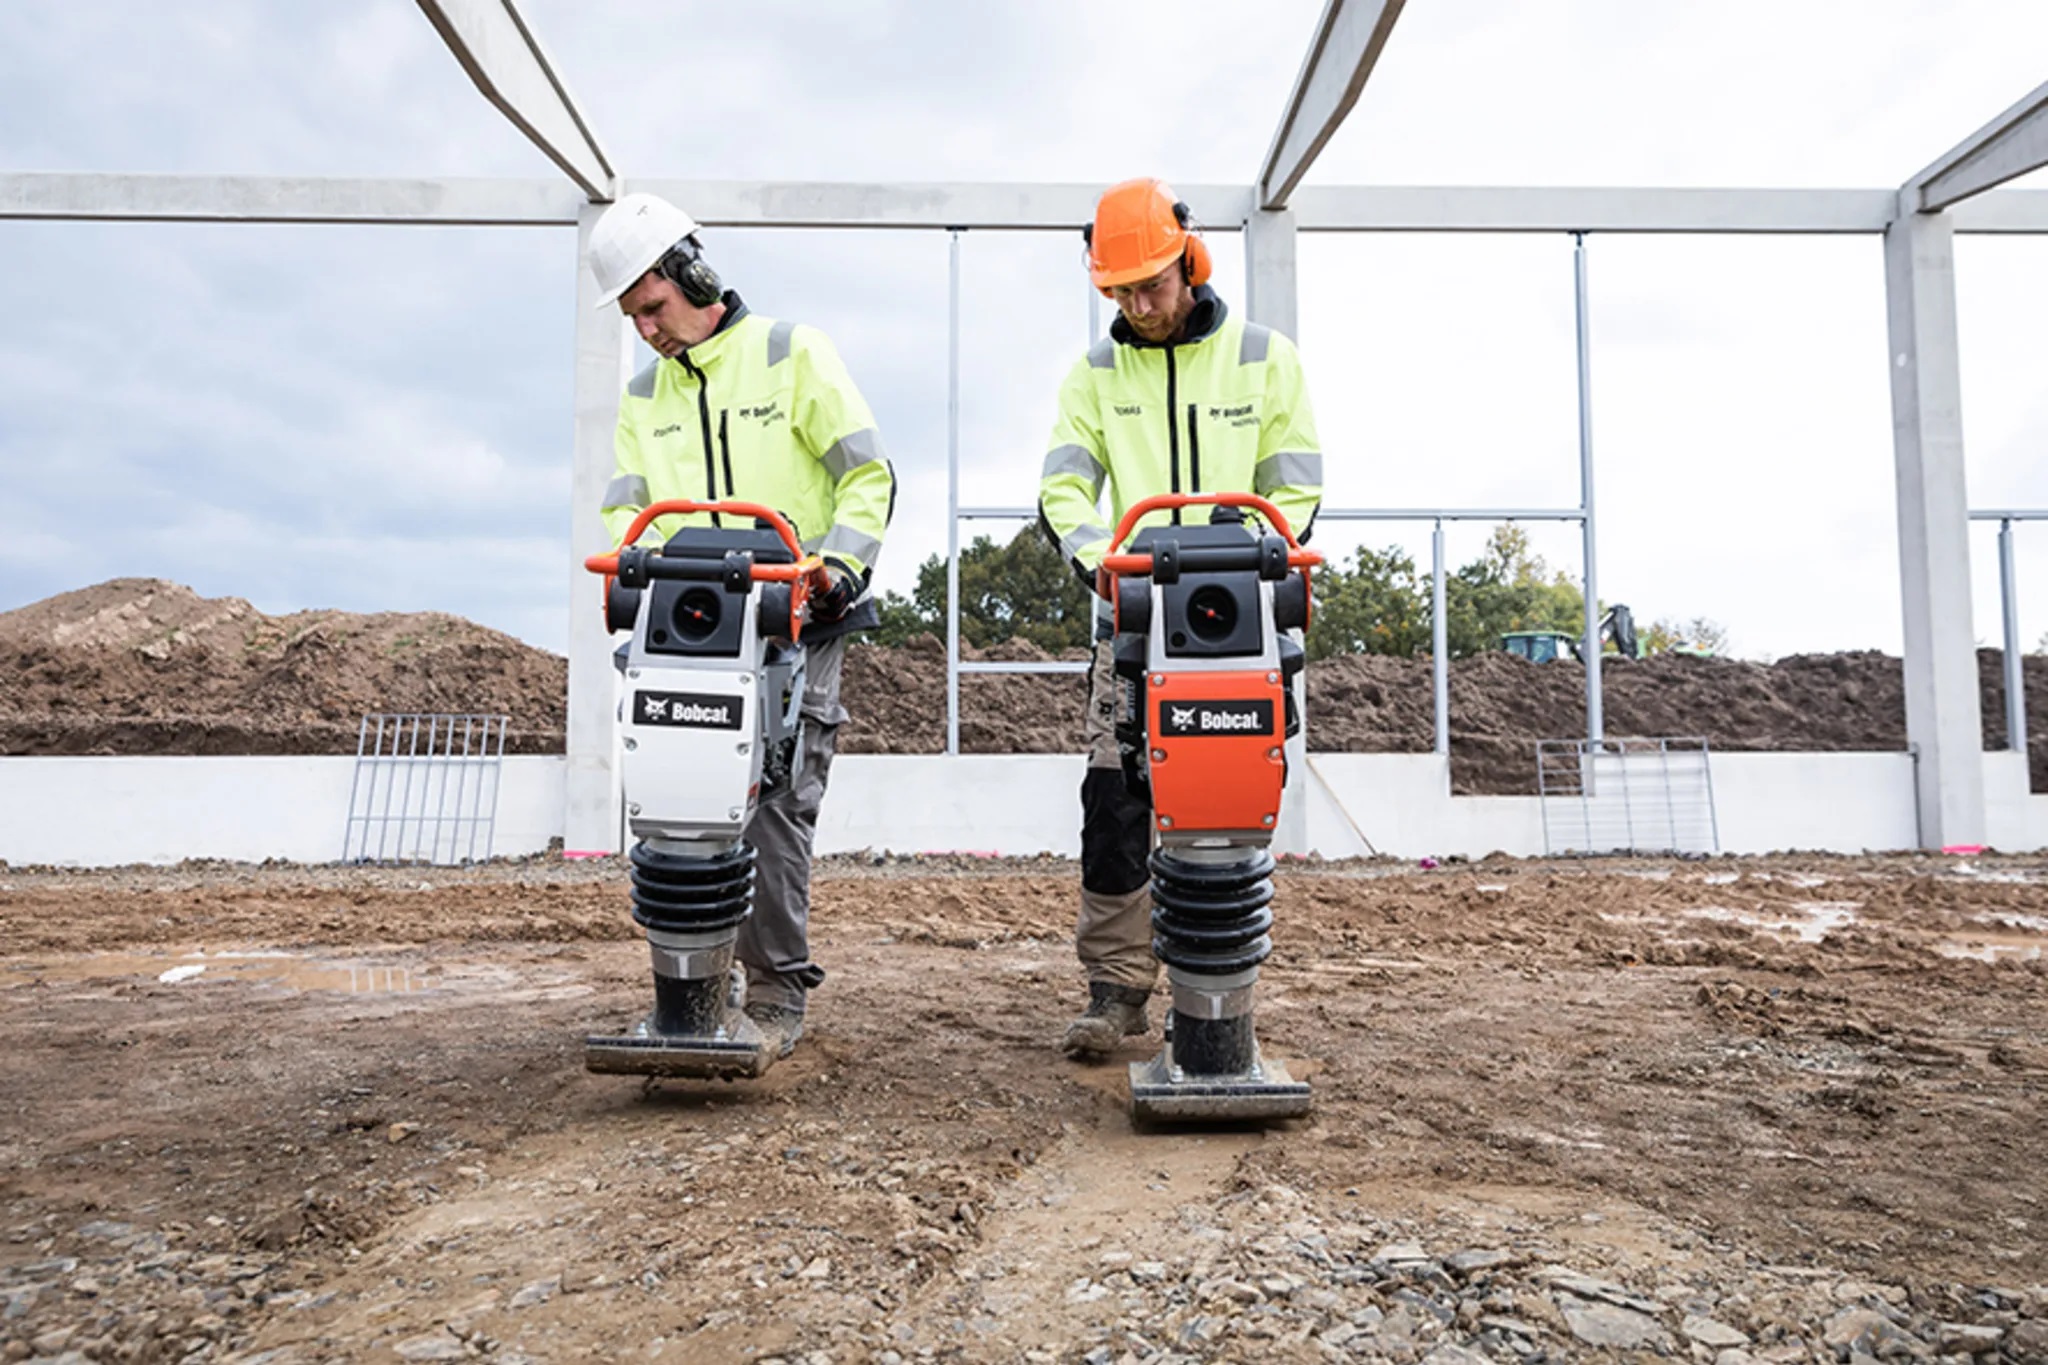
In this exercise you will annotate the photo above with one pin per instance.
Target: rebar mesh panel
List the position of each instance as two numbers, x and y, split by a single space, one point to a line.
1626 796
425 788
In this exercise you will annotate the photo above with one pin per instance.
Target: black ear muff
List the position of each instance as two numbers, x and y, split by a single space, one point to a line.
684 266
1195 265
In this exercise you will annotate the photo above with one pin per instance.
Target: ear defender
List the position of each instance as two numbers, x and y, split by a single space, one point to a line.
685 267
1194 263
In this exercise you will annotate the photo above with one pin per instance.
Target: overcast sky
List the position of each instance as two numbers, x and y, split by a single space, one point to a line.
379 417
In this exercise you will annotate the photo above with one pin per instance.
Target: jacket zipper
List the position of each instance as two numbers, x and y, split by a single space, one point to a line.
1172 429
704 423
725 454
1194 453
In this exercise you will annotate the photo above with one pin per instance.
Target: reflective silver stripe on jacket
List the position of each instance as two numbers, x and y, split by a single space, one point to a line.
643 382
1288 469
1074 541
851 451
1073 459
627 490
844 540
1102 355
1253 348
778 343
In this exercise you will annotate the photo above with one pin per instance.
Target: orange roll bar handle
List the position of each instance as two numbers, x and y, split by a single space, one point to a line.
806 575
1139 565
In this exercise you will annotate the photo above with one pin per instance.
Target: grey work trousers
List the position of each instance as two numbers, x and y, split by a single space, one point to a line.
1114 935
774 941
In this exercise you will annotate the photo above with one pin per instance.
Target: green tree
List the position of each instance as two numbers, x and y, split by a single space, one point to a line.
1022 590
1699 635
1508 588
1375 605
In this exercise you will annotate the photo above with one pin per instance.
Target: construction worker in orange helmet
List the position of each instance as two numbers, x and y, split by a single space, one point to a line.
1179 397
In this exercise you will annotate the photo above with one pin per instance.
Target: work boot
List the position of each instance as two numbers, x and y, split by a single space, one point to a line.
780 1026
1114 1013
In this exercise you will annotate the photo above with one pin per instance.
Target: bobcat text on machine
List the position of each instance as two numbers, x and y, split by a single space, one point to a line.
708 725
1201 649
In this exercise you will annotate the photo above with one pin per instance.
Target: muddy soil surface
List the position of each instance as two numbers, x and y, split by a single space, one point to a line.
1786 1109
139 666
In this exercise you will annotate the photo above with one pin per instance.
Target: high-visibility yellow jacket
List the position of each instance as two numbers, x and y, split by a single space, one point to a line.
761 411
1225 410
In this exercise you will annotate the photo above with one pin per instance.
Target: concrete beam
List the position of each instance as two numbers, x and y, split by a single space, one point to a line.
1050 207
2006 211
494 44
1054 207
1270 294
1453 208
1347 42
286 199
2012 144
1943 721
590 821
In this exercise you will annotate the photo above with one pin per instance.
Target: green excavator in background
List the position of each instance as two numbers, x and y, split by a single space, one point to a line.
1617 628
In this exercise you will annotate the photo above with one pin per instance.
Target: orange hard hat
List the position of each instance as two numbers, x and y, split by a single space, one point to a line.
1140 228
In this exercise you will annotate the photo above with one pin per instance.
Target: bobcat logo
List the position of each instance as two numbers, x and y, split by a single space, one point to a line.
657 709
1183 716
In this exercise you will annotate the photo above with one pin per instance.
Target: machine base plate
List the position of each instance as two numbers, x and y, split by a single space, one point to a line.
736 1052
1268 1091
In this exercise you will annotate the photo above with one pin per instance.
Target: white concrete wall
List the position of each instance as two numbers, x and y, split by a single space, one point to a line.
1847 803
975 803
2015 820
93 812
103 811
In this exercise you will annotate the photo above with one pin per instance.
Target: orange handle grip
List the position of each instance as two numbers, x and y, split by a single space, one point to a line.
1166 502
609 563
1139 564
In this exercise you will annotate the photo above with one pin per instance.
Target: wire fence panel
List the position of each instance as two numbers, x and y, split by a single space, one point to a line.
1626 796
425 788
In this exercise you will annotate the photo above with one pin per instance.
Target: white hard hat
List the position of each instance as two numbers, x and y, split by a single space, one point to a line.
629 237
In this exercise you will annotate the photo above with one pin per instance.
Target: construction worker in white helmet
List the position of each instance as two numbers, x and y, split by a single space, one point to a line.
736 406
1181 397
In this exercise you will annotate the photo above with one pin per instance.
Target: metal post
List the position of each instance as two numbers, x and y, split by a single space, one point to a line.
2015 683
1094 314
1439 642
1595 721
953 495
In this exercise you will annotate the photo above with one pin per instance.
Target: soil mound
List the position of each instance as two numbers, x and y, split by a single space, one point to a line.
140 665
144 666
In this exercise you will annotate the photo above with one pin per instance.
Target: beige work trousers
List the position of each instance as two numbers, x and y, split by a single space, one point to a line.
1114 935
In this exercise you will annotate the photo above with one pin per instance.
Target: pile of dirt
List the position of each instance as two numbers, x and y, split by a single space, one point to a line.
144 666
1501 706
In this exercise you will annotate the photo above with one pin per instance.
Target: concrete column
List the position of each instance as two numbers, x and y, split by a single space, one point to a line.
1269 271
1943 720
591 799
1269 275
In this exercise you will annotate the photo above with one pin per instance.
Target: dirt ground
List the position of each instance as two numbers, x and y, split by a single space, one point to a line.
1733 1110
138 666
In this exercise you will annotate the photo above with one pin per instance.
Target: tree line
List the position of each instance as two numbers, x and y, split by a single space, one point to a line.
1374 602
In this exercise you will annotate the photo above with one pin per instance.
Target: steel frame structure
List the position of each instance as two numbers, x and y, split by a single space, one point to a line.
499 51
